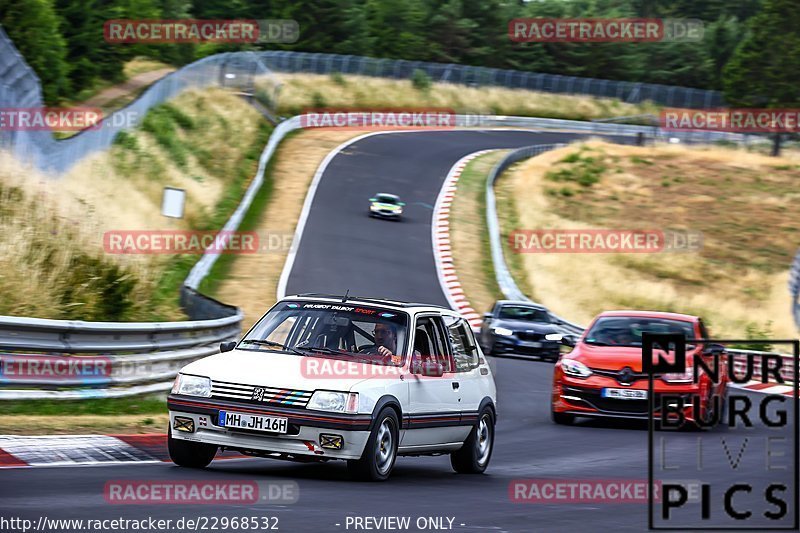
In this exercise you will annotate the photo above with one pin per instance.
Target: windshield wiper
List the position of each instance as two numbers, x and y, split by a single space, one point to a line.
599 343
331 351
280 345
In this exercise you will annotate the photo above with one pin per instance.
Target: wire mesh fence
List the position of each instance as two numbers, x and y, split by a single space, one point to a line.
318 63
20 89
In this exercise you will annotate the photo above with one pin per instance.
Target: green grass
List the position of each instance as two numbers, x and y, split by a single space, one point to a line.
148 404
585 171
473 182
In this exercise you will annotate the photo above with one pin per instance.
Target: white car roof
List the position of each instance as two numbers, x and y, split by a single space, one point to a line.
409 307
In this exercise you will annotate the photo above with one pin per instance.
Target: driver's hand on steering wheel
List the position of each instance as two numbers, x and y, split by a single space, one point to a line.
389 357
384 351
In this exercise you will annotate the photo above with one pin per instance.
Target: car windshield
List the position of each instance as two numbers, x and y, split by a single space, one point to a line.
387 199
627 331
331 330
520 312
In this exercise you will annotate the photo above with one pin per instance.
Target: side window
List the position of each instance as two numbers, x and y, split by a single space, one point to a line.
462 341
429 342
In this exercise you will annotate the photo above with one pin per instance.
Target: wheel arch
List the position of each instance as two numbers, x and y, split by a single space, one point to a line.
387 400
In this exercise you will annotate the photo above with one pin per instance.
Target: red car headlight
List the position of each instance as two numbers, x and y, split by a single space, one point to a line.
575 369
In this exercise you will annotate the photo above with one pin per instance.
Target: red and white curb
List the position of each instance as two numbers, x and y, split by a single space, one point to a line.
766 388
18 451
442 251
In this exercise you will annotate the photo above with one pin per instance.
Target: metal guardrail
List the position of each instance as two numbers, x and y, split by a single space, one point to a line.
794 288
510 290
505 280
117 358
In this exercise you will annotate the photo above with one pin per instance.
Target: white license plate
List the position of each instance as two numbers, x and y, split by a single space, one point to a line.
531 344
272 424
624 394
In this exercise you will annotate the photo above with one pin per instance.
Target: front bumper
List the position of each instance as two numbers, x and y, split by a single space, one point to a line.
302 439
512 345
583 398
584 401
385 214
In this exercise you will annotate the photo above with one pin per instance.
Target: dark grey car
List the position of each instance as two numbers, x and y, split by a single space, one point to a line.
521 328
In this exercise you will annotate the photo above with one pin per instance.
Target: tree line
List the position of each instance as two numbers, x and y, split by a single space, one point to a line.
750 48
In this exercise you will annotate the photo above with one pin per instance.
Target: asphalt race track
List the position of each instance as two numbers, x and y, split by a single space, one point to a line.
344 249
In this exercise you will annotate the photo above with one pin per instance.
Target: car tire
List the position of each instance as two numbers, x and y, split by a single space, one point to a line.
380 453
190 454
564 419
474 456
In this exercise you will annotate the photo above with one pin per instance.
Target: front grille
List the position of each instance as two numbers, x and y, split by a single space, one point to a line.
626 378
267 395
530 337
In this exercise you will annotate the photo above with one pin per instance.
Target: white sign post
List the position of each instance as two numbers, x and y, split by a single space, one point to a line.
173 202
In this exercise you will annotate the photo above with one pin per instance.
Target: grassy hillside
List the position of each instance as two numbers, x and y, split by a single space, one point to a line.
741 204
53 264
303 91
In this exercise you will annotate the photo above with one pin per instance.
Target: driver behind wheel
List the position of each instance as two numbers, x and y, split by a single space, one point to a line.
385 345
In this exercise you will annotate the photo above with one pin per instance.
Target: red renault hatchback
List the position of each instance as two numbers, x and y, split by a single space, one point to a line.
603 375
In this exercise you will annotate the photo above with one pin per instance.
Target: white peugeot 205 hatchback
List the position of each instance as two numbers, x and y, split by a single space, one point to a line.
324 377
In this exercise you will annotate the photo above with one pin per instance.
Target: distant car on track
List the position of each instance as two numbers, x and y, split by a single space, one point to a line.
521 328
603 375
386 205
322 377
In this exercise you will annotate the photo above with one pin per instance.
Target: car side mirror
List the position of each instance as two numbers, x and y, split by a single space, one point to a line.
714 349
373 199
487 316
401 204
227 346
429 369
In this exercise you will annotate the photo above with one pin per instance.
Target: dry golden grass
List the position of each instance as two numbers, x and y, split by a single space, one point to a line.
84 424
252 282
740 202
141 64
468 237
303 91
51 227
